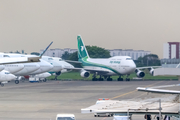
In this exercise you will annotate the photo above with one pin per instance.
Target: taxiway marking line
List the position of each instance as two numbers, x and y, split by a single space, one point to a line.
134 91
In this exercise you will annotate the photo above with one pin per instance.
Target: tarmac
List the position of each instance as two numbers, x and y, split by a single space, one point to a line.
43 101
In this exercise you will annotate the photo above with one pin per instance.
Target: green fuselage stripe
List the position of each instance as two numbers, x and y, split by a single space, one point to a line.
87 63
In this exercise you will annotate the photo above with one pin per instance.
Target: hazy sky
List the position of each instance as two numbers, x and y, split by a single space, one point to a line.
31 25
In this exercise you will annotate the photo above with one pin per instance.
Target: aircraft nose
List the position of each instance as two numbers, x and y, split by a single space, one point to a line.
72 66
12 77
134 66
50 66
47 74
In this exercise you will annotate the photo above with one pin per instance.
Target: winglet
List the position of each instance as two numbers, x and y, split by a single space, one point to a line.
45 50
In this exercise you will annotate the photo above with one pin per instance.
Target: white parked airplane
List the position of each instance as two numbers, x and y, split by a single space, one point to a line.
56 66
113 66
25 67
29 68
13 68
59 65
6 76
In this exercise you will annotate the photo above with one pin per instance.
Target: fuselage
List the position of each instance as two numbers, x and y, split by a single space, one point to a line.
13 68
64 64
6 76
118 65
56 65
30 68
44 67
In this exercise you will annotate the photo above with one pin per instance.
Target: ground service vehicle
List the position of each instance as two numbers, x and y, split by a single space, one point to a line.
99 101
65 117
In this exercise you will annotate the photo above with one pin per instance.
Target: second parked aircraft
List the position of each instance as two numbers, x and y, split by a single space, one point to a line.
106 67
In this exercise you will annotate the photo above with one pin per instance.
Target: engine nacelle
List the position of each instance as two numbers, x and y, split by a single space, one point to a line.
84 74
140 74
58 73
151 71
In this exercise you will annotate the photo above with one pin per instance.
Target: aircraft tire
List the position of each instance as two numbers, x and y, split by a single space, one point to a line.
120 79
17 81
101 79
109 79
44 80
2 85
94 115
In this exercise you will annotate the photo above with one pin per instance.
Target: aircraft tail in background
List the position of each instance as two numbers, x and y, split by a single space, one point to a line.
82 52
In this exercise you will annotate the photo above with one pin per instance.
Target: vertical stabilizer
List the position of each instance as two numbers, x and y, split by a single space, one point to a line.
82 52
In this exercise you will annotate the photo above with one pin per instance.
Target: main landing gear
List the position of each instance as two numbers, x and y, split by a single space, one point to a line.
16 81
55 77
120 78
127 79
1 84
109 79
97 79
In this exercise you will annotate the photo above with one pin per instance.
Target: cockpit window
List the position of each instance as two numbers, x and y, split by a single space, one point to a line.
7 73
60 59
128 59
6 56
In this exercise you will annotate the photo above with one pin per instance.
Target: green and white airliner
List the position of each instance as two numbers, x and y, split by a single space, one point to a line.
106 67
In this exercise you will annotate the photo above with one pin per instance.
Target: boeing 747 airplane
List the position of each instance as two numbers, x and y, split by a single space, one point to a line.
106 67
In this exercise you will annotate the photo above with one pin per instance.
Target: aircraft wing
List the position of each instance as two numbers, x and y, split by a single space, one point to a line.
18 60
70 61
23 59
148 67
89 70
155 90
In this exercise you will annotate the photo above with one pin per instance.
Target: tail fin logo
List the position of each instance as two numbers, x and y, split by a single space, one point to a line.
82 48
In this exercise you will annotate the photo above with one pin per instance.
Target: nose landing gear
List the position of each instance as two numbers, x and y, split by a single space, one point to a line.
109 79
127 79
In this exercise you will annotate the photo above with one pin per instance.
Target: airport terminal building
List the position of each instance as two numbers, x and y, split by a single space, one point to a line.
135 54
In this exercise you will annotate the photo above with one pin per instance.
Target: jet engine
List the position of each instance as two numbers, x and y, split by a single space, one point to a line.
151 71
139 73
58 73
84 74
